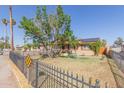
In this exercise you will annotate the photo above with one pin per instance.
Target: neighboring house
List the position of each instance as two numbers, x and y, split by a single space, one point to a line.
118 48
18 47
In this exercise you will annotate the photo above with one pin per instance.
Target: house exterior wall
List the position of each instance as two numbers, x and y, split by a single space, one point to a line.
82 51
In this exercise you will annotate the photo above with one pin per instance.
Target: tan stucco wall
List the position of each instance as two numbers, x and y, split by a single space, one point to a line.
86 52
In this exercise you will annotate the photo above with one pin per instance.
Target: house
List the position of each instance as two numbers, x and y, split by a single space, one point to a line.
18 47
83 47
84 43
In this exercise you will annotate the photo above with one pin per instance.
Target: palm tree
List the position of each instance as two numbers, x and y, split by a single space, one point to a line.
5 22
12 22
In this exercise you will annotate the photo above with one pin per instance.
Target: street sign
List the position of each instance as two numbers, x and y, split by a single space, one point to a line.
28 60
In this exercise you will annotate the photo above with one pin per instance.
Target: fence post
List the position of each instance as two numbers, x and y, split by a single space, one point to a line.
90 81
82 82
27 74
60 77
77 80
23 62
36 84
63 77
97 84
52 82
71 79
54 76
106 85
57 78
120 62
67 78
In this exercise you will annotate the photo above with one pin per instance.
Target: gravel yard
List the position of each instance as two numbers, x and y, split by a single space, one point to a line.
88 66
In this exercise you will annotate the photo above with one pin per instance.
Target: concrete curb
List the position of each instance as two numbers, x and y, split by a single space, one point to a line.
22 81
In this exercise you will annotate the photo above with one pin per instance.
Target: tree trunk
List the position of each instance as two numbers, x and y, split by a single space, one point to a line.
11 29
6 37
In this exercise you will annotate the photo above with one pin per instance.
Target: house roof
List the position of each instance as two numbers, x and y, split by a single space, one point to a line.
89 40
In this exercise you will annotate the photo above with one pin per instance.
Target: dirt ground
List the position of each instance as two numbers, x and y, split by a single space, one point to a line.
88 66
117 73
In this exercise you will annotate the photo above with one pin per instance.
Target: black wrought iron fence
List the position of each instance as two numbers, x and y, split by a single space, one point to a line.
42 75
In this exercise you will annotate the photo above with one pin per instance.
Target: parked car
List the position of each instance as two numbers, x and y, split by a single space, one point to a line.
1 51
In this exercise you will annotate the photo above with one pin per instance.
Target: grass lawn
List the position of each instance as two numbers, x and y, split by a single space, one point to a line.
88 66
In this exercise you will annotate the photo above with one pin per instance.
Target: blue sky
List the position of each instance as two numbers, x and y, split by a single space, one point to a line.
106 22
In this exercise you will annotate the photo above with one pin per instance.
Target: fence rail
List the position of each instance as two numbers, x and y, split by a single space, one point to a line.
42 75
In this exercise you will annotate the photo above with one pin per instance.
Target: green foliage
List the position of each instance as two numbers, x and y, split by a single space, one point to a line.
1 45
27 46
7 42
60 17
49 30
95 46
30 29
104 42
4 21
13 22
64 32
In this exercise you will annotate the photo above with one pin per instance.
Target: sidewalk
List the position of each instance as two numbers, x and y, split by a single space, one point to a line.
10 76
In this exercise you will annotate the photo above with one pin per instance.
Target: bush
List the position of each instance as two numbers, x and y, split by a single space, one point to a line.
72 55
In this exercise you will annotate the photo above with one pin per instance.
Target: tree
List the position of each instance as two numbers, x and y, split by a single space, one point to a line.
2 38
53 25
38 29
28 46
119 41
52 31
63 28
7 42
2 43
5 22
95 46
104 42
